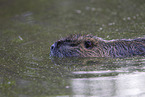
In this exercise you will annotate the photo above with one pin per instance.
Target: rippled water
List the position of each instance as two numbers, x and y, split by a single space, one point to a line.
28 28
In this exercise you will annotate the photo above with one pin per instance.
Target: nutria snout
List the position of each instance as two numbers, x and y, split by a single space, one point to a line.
93 46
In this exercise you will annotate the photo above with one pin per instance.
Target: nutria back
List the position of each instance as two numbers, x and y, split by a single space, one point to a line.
92 46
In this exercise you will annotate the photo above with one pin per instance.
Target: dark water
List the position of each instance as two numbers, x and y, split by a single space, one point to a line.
28 28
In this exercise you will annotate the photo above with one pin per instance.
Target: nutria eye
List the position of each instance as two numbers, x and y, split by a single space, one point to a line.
88 44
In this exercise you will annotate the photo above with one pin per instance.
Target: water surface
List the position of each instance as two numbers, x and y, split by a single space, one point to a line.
28 28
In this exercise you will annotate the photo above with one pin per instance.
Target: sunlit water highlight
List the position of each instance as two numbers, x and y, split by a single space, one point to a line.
112 86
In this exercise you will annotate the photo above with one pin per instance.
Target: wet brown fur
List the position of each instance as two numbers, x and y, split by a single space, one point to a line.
92 46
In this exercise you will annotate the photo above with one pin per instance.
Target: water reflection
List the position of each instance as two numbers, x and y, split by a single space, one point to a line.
119 86
26 17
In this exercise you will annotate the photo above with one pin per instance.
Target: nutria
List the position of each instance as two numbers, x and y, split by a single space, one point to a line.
93 46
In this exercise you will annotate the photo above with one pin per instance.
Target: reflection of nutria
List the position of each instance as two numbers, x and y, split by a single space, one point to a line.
92 46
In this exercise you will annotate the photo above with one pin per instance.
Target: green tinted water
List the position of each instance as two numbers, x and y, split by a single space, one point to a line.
28 28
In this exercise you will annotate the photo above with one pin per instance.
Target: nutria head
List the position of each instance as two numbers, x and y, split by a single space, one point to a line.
76 46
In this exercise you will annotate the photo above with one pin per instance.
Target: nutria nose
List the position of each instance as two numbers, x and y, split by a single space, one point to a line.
52 47
56 45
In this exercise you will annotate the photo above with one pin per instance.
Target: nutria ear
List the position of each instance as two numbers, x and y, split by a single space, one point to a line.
73 37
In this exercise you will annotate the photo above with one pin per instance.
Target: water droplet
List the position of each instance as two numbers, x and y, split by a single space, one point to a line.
111 24
78 11
108 36
93 9
20 38
67 87
128 18
124 19
100 28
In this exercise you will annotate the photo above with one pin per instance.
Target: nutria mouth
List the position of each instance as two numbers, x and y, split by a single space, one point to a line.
92 46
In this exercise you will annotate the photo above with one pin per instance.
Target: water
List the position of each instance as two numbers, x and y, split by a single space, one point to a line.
28 29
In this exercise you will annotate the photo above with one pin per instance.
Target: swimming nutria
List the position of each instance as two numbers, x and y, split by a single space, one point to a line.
93 46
